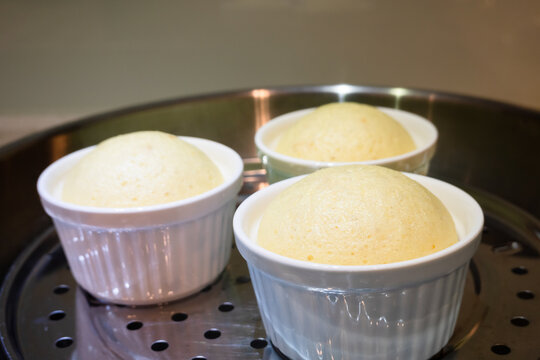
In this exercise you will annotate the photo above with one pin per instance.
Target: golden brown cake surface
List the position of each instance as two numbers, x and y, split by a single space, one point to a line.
343 132
139 169
356 215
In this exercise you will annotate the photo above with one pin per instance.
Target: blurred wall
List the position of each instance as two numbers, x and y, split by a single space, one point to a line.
60 60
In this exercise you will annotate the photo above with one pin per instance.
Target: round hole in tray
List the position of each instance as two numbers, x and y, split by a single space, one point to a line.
242 279
226 307
500 349
179 316
525 295
520 321
259 343
520 270
57 315
212 334
134 325
159 345
64 342
61 289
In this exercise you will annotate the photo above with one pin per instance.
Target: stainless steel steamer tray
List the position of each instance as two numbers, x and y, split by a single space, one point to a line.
488 148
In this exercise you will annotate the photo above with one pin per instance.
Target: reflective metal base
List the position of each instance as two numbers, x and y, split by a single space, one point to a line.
485 147
50 317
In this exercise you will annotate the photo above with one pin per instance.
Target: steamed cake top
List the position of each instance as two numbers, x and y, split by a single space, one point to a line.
340 132
356 215
139 169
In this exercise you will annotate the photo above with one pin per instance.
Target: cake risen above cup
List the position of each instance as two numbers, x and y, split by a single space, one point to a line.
140 169
398 310
166 237
336 134
345 132
356 215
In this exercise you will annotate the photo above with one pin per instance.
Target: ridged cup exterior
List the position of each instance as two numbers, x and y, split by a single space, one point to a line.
277 170
280 167
150 254
149 265
401 310
412 322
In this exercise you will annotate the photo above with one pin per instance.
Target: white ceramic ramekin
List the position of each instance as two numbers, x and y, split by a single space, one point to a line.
151 254
403 310
279 166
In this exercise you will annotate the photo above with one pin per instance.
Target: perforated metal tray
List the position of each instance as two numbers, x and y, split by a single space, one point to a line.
45 315
49 317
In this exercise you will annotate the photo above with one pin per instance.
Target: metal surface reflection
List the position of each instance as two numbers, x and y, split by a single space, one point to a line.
500 281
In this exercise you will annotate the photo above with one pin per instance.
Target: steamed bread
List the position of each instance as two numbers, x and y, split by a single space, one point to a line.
356 215
140 169
345 132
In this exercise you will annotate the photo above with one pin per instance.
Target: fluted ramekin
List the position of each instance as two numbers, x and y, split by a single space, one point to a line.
150 254
402 310
279 166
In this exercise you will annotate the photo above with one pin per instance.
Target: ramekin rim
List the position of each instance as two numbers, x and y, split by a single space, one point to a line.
261 252
226 184
266 150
